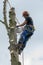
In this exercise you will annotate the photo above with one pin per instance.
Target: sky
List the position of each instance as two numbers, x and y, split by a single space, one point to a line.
33 52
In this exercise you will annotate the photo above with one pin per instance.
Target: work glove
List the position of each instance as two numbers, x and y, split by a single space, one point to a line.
17 26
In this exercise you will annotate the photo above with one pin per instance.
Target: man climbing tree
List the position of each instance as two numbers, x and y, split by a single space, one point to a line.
27 32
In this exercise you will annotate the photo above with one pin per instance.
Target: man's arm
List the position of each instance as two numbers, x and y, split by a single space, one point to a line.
25 22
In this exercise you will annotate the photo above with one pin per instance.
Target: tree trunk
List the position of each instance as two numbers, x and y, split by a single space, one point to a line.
13 38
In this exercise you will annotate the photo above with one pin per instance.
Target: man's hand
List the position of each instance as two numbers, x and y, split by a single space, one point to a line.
17 26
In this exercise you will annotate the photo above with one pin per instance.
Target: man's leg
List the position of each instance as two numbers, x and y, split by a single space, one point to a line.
25 41
24 38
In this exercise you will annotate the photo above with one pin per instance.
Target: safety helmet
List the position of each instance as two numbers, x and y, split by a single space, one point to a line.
25 13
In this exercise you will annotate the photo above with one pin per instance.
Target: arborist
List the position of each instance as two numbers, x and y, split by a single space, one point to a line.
27 32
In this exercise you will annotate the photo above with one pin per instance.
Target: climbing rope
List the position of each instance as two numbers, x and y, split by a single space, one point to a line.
22 58
9 4
17 21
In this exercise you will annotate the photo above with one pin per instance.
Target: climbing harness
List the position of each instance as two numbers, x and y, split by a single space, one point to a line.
29 28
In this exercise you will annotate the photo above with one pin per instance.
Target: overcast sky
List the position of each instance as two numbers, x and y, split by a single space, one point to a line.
33 53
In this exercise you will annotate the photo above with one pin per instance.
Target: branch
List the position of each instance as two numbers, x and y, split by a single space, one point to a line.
4 24
2 21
